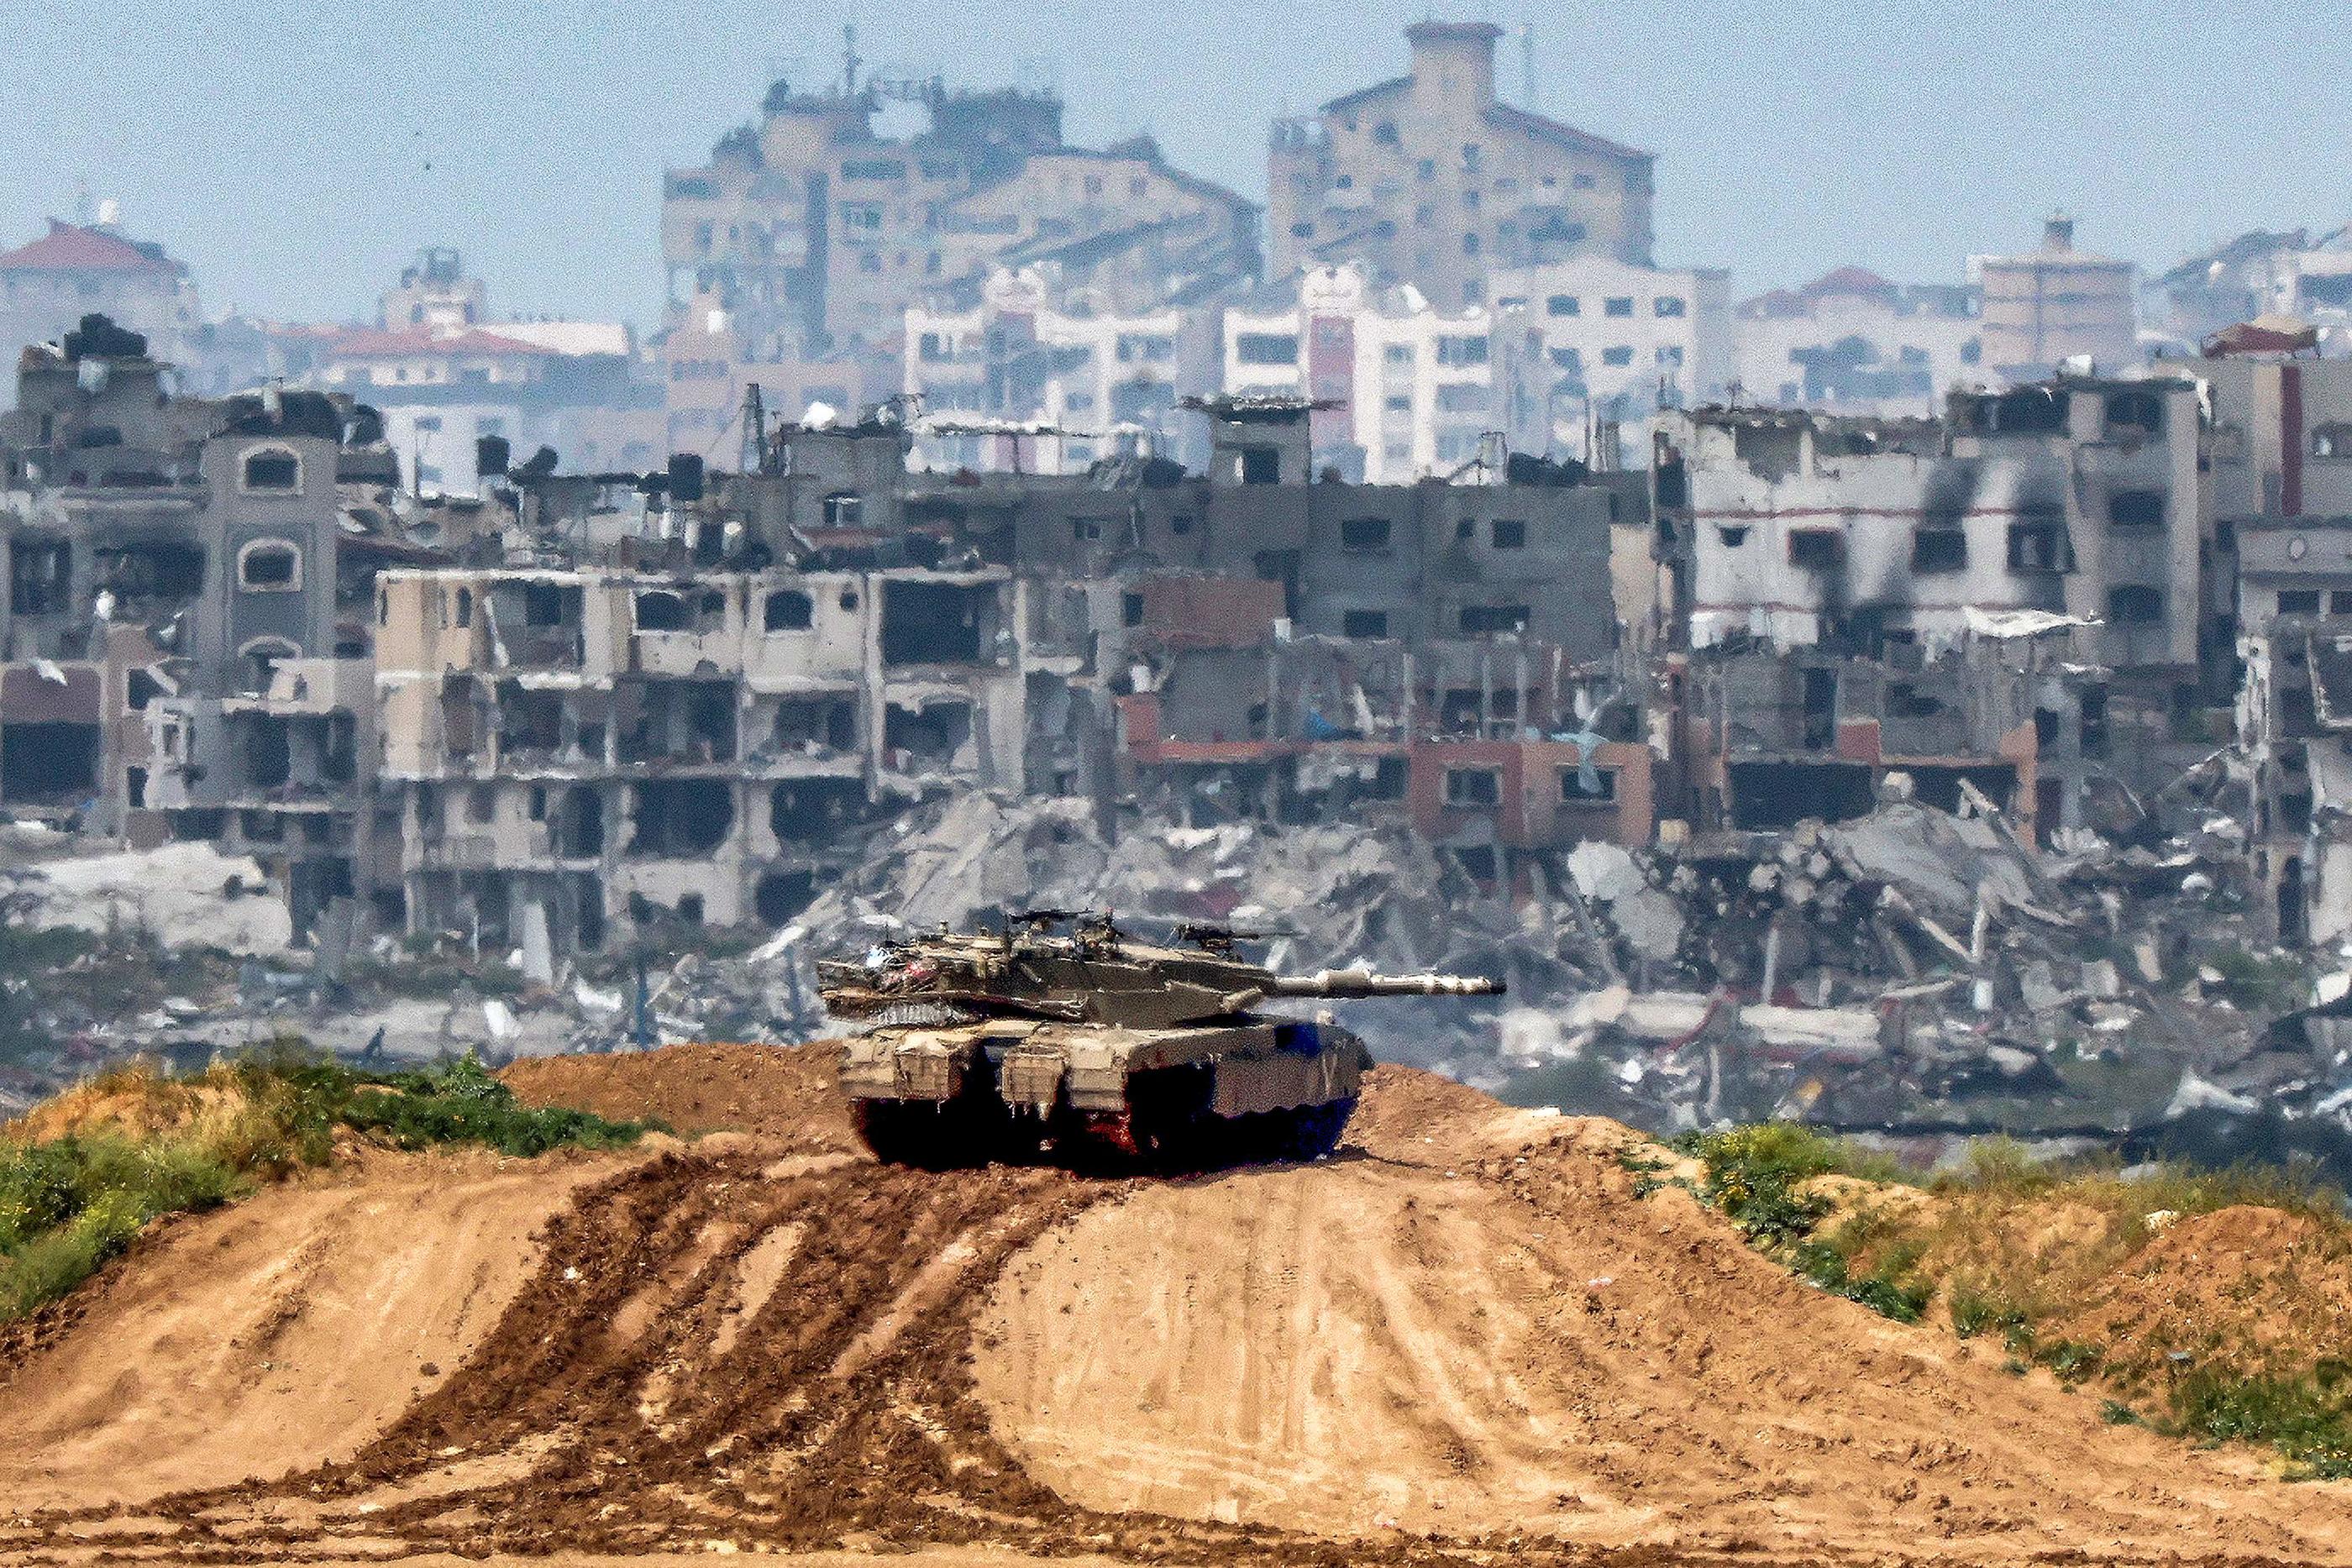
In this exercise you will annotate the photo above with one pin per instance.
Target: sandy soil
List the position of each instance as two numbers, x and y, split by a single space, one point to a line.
1467 1341
290 1329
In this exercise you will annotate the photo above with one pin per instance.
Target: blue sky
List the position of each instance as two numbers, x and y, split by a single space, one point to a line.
296 156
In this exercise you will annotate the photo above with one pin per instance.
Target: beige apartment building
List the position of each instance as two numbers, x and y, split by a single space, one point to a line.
1431 180
2056 304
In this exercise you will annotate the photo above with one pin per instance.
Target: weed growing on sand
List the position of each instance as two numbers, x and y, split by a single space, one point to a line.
2307 1420
137 1145
1756 1175
2079 1267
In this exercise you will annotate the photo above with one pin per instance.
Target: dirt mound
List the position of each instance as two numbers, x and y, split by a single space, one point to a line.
2260 1288
1518 1342
138 1102
280 1332
1479 1348
780 1091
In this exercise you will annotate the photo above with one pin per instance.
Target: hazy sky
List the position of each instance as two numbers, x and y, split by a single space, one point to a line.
296 156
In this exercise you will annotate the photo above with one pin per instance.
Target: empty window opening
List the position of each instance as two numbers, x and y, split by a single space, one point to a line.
1364 624
1509 533
531 723
935 737
48 763
272 469
788 609
1940 550
269 753
2298 601
1364 534
2039 544
2331 441
1816 549
550 604
269 566
843 510
661 611
1820 708
936 622
2136 509
1572 791
1767 795
1261 464
1473 786
783 894
2135 413
148 576
2134 604
40 577
1489 620
579 826
814 810
681 818
815 724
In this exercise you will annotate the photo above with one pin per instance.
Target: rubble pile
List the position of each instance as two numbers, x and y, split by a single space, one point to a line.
1371 896
1916 972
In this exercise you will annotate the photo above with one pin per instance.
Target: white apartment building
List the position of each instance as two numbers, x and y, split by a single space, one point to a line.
1048 382
1612 343
1854 342
1408 392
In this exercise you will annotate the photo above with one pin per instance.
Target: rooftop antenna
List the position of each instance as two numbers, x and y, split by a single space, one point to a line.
1527 65
85 212
849 60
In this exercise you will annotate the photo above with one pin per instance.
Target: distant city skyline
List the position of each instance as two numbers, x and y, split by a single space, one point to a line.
296 162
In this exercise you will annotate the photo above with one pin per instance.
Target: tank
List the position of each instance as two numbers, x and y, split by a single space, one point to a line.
1059 1032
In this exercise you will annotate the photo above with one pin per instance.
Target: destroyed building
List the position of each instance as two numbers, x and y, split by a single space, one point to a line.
2073 509
184 654
697 724
1851 341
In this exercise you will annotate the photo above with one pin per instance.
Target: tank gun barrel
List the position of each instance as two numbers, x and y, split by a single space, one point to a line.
1363 983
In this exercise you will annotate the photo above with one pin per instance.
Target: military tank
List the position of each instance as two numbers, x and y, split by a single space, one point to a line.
1060 1033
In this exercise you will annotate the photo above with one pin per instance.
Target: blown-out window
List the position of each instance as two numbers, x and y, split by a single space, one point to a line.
269 566
271 468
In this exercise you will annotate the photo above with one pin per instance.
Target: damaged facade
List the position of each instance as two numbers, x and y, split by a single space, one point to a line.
182 654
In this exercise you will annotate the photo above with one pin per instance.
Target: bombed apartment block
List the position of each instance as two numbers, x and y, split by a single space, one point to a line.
1494 750
2294 723
1773 738
580 749
2077 504
155 546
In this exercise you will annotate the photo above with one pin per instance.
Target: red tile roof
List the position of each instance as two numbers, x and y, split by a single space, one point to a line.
67 247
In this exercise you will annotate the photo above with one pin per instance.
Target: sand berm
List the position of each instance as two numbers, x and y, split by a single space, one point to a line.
1468 1339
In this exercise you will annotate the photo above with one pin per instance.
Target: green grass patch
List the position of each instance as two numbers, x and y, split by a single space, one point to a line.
1756 1176
2307 1420
68 1204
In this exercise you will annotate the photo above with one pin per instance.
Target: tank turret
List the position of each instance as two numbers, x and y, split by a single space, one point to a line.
1060 1030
